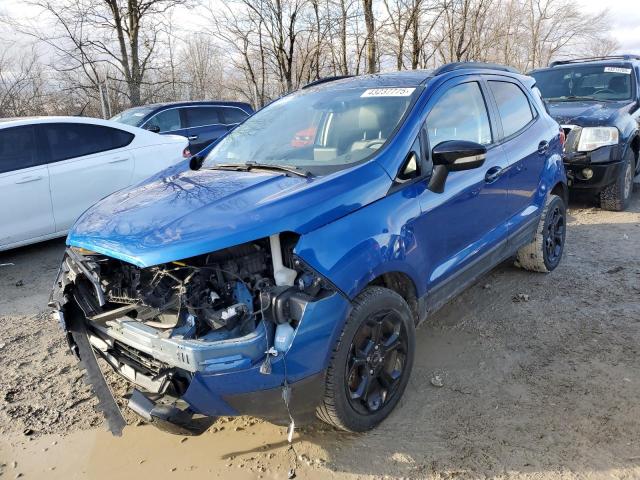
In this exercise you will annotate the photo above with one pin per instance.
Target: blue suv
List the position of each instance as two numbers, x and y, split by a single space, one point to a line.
283 272
202 122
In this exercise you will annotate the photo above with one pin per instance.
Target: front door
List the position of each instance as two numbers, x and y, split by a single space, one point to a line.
464 229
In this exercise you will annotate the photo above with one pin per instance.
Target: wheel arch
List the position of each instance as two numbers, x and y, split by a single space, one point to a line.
403 285
562 190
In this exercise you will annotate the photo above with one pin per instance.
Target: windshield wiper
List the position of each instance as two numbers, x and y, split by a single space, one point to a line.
239 167
246 167
278 168
572 98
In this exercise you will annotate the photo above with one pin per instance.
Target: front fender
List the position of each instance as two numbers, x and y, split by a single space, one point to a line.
367 243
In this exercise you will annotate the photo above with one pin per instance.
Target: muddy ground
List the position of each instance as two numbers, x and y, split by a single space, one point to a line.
541 381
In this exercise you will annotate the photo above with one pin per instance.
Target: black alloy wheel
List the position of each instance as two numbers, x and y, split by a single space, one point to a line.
376 362
555 234
371 363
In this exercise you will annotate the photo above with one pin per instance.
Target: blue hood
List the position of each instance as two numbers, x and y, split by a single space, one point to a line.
587 114
190 213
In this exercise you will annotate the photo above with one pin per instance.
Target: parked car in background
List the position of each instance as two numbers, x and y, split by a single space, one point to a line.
597 102
201 122
278 279
53 168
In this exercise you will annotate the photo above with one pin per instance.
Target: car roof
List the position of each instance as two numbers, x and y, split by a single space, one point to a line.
412 78
196 103
11 122
608 60
20 121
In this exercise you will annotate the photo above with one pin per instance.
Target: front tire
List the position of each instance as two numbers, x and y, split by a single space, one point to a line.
371 362
544 253
616 197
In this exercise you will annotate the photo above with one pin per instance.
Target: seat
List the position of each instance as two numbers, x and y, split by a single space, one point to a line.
370 127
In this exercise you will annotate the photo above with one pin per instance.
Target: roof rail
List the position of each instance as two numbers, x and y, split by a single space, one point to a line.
450 67
594 59
325 80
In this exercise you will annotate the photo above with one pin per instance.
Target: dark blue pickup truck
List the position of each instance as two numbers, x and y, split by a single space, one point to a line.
597 102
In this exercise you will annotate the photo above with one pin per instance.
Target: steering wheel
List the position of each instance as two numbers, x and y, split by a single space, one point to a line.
604 90
374 144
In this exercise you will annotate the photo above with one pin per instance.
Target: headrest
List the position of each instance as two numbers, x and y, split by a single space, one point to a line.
368 119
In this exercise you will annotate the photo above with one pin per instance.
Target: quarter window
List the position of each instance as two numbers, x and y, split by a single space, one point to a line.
513 106
17 149
460 114
71 140
202 116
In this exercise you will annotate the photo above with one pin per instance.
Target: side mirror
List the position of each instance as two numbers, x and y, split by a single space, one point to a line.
454 156
153 128
195 163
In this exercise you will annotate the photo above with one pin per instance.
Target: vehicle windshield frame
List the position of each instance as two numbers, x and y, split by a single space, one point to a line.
210 162
575 68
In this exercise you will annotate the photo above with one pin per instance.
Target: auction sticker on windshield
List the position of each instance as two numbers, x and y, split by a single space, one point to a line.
626 71
388 92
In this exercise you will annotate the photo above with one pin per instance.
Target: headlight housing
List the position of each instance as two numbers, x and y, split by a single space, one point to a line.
596 137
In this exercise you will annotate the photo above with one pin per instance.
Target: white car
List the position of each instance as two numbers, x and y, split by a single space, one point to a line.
53 168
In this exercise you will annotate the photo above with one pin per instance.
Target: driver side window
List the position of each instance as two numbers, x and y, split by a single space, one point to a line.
460 114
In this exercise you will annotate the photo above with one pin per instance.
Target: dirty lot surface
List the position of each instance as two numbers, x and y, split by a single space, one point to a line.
541 379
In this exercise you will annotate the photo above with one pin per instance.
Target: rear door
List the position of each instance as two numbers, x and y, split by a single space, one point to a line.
525 139
25 203
87 163
205 124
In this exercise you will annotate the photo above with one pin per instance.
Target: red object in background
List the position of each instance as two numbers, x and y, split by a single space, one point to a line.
186 153
304 137
563 137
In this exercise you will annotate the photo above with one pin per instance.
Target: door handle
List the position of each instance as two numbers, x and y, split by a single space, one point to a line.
28 179
118 160
192 137
543 147
493 174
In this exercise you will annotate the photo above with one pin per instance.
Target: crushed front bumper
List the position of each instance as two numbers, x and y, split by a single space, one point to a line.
216 377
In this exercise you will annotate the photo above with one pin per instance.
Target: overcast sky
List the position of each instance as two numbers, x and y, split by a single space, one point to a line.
624 15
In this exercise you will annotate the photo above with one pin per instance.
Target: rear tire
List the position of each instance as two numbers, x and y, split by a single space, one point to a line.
616 197
371 362
544 253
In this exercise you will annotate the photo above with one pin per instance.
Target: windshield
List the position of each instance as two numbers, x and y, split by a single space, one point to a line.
316 131
585 82
133 116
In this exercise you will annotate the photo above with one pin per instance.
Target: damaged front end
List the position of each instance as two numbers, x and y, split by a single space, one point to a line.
199 337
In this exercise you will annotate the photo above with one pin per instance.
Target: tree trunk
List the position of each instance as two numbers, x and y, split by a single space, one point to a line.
371 41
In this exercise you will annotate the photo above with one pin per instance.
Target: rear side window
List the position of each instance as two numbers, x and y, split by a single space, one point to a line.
460 114
202 116
17 148
71 140
233 115
513 106
166 121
